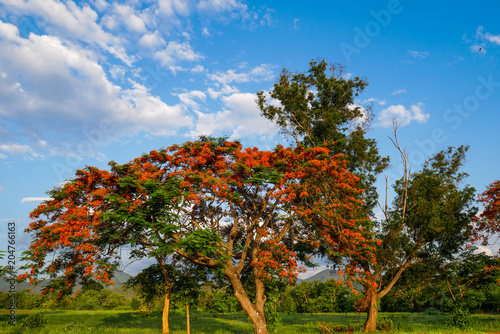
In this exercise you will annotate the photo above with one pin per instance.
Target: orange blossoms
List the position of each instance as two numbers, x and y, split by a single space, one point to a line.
214 203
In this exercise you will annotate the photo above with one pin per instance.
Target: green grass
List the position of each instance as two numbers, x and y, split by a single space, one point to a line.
124 322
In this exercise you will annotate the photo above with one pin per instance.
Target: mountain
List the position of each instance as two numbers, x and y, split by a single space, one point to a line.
322 276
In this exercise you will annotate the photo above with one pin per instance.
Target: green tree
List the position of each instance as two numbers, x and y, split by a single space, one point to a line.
317 108
429 220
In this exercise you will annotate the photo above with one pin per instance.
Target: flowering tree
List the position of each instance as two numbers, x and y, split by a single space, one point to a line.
214 203
488 222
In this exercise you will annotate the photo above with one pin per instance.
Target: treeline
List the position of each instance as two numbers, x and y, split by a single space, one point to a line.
89 300
306 297
485 299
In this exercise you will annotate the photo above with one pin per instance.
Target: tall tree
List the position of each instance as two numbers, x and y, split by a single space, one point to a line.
429 219
215 204
318 108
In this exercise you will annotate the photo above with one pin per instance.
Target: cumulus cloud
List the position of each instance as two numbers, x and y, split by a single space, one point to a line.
73 23
402 115
175 7
239 117
198 69
175 53
79 97
140 111
130 20
152 40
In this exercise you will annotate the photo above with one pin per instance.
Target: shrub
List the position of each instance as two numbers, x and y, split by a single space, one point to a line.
385 324
432 311
459 318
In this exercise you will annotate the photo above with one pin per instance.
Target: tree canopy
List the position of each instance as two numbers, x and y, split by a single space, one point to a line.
215 204
429 220
318 107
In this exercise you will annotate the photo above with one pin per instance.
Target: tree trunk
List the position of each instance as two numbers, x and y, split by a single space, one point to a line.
371 320
166 308
188 326
254 311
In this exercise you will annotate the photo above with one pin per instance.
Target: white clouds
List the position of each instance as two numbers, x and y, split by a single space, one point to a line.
143 112
175 53
72 72
152 40
130 20
225 90
64 91
418 54
55 82
399 91
229 76
240 117
259 73
495 39
174 7
402 115
9 32
220 6
189 98
205 32
482 249
71 22
34 199
19 149
198 69
117 72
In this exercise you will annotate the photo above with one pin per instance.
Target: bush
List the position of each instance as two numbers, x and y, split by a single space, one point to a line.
459 318
432 311
385 324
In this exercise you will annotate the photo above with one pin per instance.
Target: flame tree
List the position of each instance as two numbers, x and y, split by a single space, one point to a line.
488 222
212 202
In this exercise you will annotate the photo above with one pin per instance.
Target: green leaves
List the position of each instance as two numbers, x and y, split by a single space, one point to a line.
317 108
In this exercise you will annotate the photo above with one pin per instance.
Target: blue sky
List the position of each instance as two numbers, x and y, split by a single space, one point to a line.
86 82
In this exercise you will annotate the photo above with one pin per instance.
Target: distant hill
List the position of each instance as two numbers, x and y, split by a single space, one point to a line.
120 277
321 276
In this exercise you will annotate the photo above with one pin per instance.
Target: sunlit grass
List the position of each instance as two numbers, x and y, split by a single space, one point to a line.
127 322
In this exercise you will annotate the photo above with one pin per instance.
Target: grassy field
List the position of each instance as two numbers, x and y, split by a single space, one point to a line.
125 322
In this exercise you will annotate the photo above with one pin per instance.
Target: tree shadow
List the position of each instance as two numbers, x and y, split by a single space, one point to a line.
230 323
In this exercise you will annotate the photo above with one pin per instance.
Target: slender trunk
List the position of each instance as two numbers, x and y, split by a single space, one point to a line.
188 326
166 308
254 311
371 320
